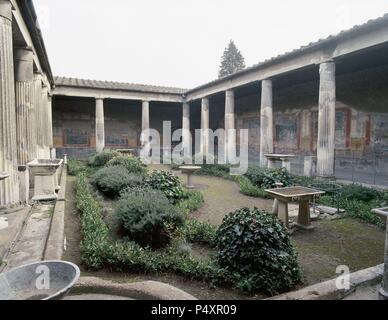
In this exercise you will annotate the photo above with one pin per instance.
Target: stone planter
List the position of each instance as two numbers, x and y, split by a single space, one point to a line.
45 175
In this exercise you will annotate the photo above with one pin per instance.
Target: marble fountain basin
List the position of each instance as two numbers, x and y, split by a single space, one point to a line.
45 175
44 280
43 166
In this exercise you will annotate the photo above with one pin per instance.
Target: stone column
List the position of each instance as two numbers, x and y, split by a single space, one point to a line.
186 134
145 120
38 115
46 124
24 87
266 122
230 136
9 188
205 126
326 120
100 125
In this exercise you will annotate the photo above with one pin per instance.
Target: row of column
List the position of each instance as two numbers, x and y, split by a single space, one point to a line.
25 112
326 121
100 122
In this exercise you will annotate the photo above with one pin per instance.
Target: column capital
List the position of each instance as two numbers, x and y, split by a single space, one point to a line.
99 99
24 64
266 83
6 9
229 93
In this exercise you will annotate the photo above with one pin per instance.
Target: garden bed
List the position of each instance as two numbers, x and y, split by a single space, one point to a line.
332 243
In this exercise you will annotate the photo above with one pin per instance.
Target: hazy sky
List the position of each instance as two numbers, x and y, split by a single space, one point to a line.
180 42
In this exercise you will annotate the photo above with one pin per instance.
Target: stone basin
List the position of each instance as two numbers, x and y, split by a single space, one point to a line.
189 170
44 280
3 176
45 174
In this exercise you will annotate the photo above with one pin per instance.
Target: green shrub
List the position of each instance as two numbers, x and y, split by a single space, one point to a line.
200 232
359 192
112 180
168 183
148 216
102 158
99 252
132 164
192 201
94 231
75 167
266 178
256 245
215 170
247 188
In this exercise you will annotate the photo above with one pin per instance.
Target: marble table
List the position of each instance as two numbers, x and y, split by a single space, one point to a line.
383 293
284 158
303 195
189 170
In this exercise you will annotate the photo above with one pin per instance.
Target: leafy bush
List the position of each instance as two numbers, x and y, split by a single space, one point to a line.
359 192
215 170
256 245
192 201
148 216
166 182
102 158
266 178
358 209
112 180
247 188
75 167
132 164
200 232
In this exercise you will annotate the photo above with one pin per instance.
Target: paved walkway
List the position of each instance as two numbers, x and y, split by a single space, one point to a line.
11 222
221 197
31 242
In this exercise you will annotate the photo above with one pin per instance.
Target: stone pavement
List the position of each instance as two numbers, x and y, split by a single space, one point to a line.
11 222
31 242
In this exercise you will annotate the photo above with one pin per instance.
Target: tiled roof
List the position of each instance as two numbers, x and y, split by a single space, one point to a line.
72 82
343 34
110 85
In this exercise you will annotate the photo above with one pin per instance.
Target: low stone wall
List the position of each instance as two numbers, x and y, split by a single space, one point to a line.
146 290
329 291
56 238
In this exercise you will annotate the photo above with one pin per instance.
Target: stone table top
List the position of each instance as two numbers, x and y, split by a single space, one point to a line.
190 168
294 192
279 156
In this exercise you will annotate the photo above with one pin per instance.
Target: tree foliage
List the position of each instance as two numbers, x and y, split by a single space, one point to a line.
232 61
